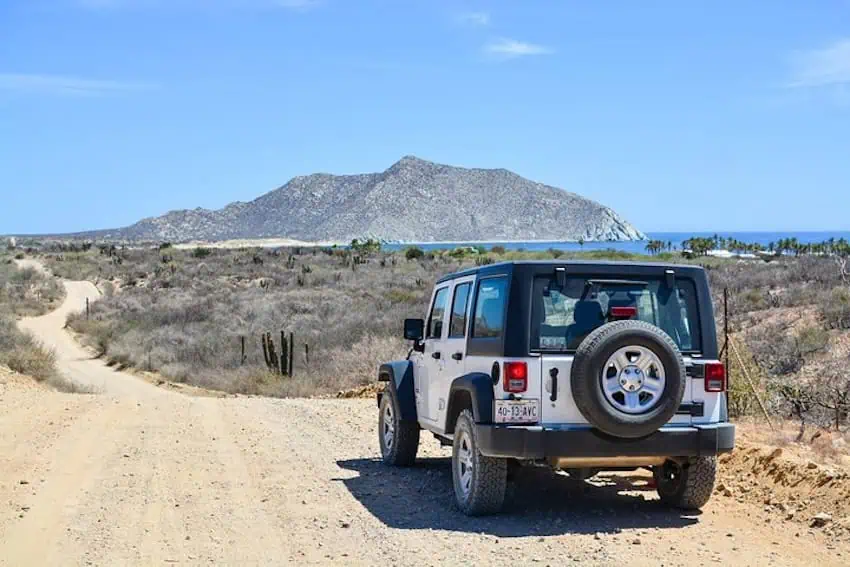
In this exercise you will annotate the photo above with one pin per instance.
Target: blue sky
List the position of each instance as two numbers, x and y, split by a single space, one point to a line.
721 115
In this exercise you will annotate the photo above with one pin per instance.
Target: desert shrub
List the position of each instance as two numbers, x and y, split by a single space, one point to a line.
404 296
31 358
201 252
414 253
498 250
775 351
555 253
835 308
28 292
811 340
752 300
24 354
19 256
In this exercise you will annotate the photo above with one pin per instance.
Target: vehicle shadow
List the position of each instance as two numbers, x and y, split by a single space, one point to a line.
539 502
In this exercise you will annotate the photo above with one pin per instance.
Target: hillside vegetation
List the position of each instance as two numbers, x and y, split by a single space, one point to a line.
183 313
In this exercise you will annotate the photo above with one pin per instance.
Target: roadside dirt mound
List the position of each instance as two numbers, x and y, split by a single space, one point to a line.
367 391
796 491
10 379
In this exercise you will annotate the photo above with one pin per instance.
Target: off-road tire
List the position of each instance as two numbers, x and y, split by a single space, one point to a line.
585 378
694 487
489 474
401 452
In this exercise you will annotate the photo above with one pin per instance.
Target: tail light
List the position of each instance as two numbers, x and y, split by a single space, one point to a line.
715 377
623 312
515 377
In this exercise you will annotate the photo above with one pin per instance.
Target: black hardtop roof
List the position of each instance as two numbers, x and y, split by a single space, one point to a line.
638 268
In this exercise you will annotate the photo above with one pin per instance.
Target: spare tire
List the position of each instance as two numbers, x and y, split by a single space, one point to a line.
628 378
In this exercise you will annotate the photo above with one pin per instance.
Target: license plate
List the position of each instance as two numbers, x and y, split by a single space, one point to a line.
517 411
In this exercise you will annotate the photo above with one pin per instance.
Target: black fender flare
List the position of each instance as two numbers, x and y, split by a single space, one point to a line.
479 387
399 376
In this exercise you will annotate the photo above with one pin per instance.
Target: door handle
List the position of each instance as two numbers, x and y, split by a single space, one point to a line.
553 373
458 356
436 355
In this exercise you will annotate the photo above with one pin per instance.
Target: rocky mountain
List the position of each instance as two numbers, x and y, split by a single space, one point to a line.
414 201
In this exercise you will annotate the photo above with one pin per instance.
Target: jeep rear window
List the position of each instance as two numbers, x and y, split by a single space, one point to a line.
563 317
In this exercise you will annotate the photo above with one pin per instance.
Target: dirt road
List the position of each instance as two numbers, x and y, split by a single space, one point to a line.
141 475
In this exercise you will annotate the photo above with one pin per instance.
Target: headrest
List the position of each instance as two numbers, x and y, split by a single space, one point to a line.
588 313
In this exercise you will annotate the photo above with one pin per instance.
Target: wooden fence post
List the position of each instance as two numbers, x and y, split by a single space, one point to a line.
87 309
242 360
284 357
291 353
306 354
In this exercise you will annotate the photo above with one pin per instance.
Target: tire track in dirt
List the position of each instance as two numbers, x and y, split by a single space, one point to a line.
77 458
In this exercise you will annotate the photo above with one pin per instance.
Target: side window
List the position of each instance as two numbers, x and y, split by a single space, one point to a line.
488 319
438 309
457 323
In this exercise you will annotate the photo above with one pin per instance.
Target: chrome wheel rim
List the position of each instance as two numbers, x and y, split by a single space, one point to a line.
633 380
388 426
464 464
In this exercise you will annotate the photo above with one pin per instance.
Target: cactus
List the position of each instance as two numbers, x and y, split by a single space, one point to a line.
265 350
269 353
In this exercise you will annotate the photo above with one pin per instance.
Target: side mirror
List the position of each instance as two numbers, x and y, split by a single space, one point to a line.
414 329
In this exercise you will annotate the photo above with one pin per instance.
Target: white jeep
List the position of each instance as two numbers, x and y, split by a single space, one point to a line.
581 366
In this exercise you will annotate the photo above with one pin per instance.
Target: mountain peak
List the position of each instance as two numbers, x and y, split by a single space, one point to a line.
410 161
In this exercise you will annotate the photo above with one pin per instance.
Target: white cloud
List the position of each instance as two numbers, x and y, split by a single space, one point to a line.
511 48
478 19
829 66
65 85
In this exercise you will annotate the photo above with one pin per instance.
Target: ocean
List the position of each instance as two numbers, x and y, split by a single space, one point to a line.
639 246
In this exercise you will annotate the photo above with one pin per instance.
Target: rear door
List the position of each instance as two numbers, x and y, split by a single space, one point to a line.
454 345
565 316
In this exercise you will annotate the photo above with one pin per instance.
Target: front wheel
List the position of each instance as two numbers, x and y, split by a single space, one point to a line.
686 485
399 438
479 482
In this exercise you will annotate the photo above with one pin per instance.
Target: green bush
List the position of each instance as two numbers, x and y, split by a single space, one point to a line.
498 250
365 248
200 252
414 253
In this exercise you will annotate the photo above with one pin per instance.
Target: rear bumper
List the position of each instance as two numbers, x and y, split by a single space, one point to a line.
537 442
